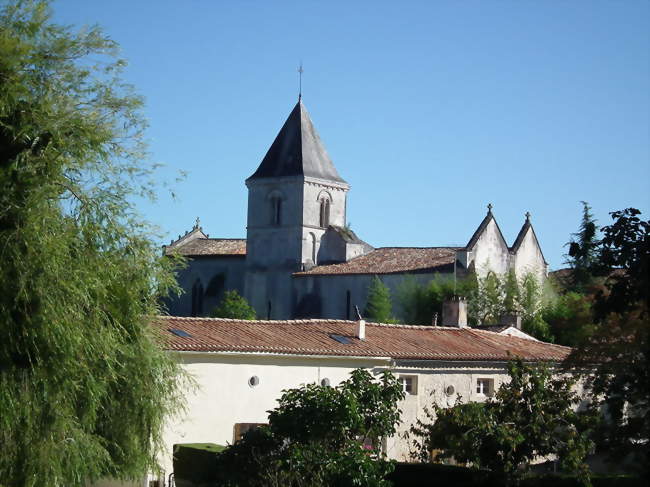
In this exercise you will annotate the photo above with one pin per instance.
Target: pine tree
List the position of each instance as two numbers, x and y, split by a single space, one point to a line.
379 307
234 306
583 251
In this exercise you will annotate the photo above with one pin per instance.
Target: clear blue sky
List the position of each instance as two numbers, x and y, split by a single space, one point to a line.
430 110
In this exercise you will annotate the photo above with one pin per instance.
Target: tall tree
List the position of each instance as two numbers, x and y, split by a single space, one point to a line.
620 348
582 251
379 306
511 293
84 389
234 306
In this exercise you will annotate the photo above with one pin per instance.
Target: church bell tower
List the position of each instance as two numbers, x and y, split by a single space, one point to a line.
294 195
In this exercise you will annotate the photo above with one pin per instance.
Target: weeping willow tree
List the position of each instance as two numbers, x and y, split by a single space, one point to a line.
84 389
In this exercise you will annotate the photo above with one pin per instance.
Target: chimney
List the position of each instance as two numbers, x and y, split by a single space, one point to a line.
361 325
511 319
454 312
361 329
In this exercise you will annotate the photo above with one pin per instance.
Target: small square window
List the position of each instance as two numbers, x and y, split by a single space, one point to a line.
409 384
485 387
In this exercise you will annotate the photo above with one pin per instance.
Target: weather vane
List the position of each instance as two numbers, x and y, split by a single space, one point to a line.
300 71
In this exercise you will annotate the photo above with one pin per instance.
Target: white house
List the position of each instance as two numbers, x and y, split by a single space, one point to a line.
242 367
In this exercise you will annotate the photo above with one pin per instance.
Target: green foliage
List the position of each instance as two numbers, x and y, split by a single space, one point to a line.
532 415
320 436
582 251
620 346
379 307
570 318
196 462
234 306
511 295
84 389
530 304
419 303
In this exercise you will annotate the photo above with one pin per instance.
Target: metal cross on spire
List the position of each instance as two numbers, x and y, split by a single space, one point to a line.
300 71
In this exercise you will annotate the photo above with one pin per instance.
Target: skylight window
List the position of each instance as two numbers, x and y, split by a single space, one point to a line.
340 339
180 333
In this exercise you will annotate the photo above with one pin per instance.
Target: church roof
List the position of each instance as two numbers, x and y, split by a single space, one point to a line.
315 337
297 151
390 260
481 228
210 246
522 234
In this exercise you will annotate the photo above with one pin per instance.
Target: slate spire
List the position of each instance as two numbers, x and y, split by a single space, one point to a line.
297 151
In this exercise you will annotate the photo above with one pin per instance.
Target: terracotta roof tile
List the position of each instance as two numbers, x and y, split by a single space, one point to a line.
312 337
210 246
388 260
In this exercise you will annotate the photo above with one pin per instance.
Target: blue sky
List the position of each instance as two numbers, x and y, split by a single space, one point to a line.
430 110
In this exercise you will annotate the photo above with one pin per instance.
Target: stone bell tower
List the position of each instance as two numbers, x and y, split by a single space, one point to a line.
293 197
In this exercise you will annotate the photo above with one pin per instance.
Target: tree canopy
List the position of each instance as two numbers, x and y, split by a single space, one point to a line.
379 306
84 388
619 348
320 436
532 415
234 306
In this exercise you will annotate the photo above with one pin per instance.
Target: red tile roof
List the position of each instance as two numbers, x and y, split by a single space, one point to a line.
388 260
210 246
312 337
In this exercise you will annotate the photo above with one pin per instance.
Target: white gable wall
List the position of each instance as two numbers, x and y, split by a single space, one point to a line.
490 253
529 258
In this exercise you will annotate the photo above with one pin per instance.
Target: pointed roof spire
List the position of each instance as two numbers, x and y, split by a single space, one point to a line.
297 151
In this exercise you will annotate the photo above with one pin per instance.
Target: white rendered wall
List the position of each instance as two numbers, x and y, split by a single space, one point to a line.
490 253
432 384
529 258
224 397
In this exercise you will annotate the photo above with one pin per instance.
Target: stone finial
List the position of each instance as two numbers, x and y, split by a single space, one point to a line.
490 207
197 223
528 216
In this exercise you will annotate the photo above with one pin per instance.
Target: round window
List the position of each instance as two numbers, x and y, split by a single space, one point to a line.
450 390
253 381
325 382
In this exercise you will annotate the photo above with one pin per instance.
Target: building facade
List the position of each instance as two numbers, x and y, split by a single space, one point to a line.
300 260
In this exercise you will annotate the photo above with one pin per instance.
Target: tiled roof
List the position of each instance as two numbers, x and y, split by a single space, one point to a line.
210 246
313 337
389 260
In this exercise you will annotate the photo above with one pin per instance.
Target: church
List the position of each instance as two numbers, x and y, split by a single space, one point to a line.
300 260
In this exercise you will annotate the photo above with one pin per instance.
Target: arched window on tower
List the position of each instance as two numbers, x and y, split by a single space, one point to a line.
275 207
313 248
324 212
197 298
276 210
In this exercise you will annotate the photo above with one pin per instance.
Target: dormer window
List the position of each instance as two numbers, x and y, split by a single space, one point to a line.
324 212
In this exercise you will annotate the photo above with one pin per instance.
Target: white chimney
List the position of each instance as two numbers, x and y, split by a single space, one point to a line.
361 329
